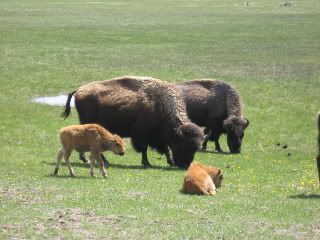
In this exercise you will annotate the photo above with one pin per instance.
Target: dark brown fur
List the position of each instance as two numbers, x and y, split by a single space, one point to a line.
148 110
217 106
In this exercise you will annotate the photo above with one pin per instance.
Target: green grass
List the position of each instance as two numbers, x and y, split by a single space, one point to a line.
270 53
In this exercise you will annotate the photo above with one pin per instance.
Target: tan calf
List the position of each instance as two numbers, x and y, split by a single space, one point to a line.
88 138
202 179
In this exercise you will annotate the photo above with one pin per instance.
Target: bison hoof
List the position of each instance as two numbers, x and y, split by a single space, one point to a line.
171 163
146 165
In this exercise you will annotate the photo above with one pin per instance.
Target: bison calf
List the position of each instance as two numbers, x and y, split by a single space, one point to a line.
202 179
85 138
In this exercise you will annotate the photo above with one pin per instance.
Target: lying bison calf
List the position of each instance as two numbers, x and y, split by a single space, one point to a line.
202 179
85 138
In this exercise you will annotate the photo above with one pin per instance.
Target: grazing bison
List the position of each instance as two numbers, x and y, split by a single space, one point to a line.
318 157
148 110
217 106
88 137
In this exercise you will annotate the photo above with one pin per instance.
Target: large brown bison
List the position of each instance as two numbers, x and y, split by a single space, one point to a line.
217 106
149 111
318 157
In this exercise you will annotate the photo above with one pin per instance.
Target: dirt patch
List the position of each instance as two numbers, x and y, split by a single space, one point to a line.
12 230
75 221
300 231
134 194
25 196
315 229
292 231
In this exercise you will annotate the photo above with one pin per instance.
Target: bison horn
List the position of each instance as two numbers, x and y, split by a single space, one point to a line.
247 122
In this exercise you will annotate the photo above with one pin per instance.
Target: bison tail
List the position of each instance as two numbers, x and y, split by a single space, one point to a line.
67 108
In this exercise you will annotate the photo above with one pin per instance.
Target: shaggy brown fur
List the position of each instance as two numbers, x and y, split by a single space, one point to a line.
202 179
318 157
149 111
88 137
217 106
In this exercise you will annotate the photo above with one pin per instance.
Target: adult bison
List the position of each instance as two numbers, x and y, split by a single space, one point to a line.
148 110
217 106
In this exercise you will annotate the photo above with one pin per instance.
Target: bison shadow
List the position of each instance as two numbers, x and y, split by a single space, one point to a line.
165 168
115 165
66 175
305 196
212 151
73 164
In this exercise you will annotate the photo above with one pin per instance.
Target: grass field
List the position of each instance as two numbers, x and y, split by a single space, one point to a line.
269 52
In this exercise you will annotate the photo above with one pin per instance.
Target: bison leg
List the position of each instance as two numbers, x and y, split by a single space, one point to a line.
82 157
106 162
318 166
214 137
216 142
205 141
145 161
168 156
97 156
92 164
67 154
59 157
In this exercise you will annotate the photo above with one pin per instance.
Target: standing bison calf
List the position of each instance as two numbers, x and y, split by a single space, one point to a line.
85 138
149 111
217 106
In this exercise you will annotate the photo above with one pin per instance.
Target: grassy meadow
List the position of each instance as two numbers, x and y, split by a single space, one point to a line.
269 52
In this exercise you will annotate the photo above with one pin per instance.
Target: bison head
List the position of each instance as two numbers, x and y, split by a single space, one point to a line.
186 141
235 126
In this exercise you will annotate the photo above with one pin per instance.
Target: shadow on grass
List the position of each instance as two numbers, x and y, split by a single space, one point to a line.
214 152
114 165
166 168
75 177
305 196
73 164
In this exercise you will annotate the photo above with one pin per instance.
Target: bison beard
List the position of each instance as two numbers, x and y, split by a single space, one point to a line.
149 111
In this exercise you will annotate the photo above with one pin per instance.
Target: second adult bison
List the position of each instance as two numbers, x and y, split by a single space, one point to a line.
148 110
217 106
